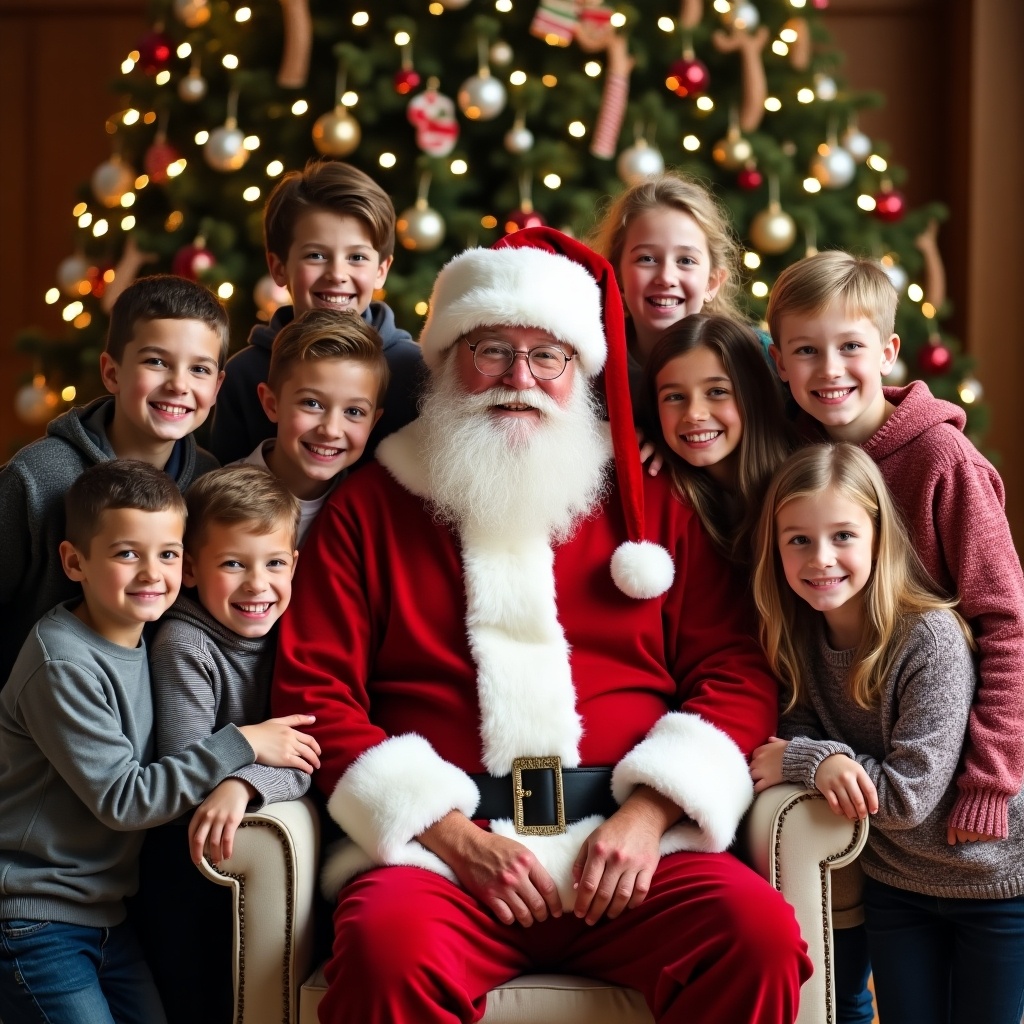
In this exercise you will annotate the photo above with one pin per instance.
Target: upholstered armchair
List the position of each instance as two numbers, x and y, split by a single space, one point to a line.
789 836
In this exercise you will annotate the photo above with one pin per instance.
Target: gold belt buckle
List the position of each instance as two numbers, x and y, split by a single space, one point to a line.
521 764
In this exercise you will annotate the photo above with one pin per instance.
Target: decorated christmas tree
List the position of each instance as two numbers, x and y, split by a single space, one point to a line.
480 117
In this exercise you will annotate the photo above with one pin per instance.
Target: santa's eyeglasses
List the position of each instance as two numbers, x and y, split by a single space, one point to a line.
495 359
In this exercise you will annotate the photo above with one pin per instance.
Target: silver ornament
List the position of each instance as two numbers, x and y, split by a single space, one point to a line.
773 230
71 272
481 97
897 376
224 150
518 139
111 180
336 133
746 17
825 87
36 403
640 161
192 13
970 390
897 276
857 144
500 53
833 166
420 227
268 295
192 88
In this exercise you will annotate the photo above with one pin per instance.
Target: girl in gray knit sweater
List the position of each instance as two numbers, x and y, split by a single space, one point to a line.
880 678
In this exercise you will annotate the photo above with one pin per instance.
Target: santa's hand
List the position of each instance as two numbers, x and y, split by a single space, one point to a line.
503 874
616 863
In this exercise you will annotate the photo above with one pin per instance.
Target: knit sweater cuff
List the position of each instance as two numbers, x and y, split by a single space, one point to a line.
802 756
981 810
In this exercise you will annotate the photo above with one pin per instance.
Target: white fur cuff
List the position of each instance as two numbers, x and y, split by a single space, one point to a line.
395 790
698 767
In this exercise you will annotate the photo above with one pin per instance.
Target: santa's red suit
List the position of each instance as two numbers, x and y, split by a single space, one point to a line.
426 656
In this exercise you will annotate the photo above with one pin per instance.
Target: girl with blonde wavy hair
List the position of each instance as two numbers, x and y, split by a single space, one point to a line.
880 678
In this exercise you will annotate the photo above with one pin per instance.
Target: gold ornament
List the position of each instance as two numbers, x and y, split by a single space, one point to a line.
111 180
192 13
73 276
773 230
420 227
336 133
733 151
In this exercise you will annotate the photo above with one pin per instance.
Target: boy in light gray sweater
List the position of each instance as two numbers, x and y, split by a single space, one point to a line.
212 660
76 746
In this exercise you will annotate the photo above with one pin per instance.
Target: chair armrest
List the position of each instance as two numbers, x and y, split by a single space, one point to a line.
273 874
794 840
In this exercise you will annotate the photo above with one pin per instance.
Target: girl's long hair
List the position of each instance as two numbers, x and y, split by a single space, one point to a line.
728 517
897 589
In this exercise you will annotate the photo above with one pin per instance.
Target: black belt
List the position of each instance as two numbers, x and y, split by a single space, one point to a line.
541 797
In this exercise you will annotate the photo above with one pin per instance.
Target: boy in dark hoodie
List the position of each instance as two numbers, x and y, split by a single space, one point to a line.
831 318
163 366
329 232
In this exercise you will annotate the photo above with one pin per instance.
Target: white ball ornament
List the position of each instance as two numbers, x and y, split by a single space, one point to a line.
111 180
500 53
746 17
192 88
519 139
420 228
825 87
269 295
857 144
71 272
336 133
36 403
225 150
897 375
897 276
640 161
833 166
481 97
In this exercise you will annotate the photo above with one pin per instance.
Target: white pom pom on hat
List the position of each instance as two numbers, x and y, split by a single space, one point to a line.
540 277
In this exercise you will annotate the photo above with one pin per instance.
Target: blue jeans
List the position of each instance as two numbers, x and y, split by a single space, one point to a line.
945 961
851 968
53 973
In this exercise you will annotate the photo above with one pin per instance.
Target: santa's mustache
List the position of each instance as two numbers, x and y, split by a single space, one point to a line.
532 398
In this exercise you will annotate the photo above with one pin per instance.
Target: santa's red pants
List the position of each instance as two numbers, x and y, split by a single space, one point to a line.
713 943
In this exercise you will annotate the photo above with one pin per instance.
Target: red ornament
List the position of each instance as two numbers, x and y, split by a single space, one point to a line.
749 178
525 217
158 158
155 51
192 260
99 278
821 4
935 358
688 77
406 79
890 205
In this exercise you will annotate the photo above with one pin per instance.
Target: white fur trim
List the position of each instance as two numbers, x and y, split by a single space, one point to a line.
642 569
395 790
557 854
516 288
524 682
399 454
344 860
698 767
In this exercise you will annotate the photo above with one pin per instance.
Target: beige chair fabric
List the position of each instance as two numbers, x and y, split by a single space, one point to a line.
790 837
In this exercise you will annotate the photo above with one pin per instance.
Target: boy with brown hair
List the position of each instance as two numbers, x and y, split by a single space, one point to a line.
78 780
329 233
163 366
327 379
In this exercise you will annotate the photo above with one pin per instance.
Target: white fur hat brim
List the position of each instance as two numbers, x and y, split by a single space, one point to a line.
516 288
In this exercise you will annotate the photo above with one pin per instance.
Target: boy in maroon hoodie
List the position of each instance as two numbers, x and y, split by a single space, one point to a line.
831 318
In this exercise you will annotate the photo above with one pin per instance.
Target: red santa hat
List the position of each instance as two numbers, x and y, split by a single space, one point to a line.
540 277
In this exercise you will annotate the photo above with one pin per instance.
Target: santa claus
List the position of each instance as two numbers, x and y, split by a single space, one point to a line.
533 734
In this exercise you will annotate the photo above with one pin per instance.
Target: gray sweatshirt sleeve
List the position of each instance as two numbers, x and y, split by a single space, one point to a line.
187 702
81 733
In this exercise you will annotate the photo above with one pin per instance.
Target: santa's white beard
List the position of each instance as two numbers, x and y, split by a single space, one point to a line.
512 476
